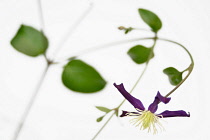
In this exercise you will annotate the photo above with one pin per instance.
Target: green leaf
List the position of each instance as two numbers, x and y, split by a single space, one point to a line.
100 119
140 54
81 77
104 109
151 19
29 41
116 112
127 30
175 77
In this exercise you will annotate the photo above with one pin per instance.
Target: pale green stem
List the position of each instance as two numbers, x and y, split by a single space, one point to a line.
29 106
133 28
145 68
191 58
103 126
136 83
101 47
142 29
25 114
72 30
35 94
189 69
41 16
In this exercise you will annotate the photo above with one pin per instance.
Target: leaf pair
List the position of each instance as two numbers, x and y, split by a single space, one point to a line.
106 110
103 109
77 75
141 54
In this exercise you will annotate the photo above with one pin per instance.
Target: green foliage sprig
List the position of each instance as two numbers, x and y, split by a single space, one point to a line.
142 55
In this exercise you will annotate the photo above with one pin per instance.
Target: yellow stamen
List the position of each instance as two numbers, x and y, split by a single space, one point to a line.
147 120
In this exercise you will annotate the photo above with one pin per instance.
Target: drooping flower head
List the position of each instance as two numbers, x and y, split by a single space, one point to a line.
148 119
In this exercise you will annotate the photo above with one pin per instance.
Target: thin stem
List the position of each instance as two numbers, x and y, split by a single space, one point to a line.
41 17
131 28
104 46
30 104
145 68
35 94
45 57
103 126
191 58
136 83
190 68
187 69
180 82
142 29
147 63
71 30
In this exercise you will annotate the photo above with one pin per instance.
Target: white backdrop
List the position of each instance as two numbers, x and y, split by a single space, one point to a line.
62 114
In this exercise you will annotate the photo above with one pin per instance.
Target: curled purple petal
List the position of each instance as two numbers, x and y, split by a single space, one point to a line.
179 113
126 113
135 102
158 98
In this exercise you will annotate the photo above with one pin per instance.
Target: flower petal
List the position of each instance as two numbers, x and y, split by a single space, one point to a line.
126 113
158 98
179 113
135 102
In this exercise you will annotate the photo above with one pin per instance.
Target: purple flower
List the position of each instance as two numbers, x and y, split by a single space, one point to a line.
147 119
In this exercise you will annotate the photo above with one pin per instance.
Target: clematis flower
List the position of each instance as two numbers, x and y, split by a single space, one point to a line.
148 119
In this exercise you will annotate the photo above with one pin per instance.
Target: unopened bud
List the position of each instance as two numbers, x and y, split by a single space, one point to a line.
121 28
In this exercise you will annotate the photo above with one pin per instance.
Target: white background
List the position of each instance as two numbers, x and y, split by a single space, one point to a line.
59 113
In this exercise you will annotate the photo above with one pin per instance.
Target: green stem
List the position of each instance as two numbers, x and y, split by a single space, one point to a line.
103 126
180 82
29 105
136 83
72 30
167 40
142 29
49 62
189 69
145 68
131 28
116 109
104 46
32 100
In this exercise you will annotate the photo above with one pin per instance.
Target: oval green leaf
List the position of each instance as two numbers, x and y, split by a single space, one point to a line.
29 41
151 19
81 77
175 77
100 119
103 109
140 54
